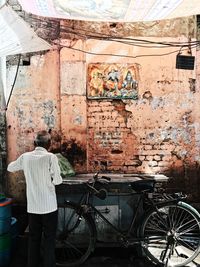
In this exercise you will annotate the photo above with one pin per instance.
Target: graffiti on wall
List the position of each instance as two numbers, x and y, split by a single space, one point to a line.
112 81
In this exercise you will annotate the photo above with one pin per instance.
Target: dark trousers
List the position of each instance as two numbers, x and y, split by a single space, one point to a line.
42 225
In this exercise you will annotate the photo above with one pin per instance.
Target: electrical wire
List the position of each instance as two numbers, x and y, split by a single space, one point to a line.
132 42
16 73
126 56
80 33
139 43
128 40
86 34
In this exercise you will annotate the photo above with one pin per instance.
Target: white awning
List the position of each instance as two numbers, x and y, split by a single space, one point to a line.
16 36
112 10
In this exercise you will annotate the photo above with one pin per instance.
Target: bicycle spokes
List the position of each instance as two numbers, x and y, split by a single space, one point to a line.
172 235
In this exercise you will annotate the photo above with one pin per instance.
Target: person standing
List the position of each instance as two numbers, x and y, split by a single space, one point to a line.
42 174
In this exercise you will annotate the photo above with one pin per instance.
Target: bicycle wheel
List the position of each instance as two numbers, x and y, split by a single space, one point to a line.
76 236
172 234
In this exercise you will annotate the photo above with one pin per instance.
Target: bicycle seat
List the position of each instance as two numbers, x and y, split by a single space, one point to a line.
143 185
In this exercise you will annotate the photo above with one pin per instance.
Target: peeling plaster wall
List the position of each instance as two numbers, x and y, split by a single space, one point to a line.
74 107
158 133
174 28
34 105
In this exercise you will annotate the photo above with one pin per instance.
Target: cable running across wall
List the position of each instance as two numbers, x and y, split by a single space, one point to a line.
86 34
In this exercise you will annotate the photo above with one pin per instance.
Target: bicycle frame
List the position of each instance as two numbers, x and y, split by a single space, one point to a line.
127 236
130 229
166 225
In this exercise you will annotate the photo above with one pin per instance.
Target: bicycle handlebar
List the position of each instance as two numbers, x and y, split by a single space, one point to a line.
102 192
100 179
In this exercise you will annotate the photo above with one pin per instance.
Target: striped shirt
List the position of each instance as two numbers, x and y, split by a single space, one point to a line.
42 173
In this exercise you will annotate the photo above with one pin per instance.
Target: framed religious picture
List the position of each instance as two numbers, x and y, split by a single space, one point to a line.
112 81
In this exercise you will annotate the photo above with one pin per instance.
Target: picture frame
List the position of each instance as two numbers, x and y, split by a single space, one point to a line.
115 81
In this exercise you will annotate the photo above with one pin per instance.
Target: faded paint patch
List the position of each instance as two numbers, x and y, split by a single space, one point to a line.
48 116
192 83
157 102
77 118
73 78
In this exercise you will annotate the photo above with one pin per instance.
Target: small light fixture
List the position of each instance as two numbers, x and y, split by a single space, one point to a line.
184 62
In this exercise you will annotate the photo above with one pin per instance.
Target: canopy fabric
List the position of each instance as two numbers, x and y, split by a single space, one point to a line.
16 36
112 10
2 2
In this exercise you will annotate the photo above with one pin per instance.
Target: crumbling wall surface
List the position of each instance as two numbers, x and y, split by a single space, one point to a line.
73 106
158 132
34 105
176 28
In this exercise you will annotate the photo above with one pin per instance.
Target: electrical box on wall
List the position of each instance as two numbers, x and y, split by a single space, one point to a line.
185 62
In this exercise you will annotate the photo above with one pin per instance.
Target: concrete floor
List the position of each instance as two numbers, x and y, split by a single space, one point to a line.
106 257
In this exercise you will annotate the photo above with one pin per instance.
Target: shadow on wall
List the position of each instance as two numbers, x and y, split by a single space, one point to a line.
75 153
71 149
185 179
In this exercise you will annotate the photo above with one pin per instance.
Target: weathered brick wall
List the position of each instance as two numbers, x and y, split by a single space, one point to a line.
122 140
158 133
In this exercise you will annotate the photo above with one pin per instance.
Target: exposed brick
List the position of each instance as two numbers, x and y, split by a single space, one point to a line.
148 147
135 162
153 163
149 158
151 152
157 157
142 158
132 168
167 147
167 158
164 163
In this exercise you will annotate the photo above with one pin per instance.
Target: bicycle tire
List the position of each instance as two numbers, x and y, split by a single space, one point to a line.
76 235
171 234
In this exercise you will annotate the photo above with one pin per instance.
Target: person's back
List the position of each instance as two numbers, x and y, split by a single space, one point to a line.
42 173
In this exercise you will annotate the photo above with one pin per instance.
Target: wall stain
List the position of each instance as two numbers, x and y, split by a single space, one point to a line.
120 107
147 95
48 116
73 151
192 84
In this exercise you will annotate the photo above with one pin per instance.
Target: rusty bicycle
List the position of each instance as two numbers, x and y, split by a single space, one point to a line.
167 230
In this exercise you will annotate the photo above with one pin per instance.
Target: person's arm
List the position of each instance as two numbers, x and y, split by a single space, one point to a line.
55 171
15 165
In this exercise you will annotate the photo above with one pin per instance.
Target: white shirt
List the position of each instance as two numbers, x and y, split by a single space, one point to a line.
42 173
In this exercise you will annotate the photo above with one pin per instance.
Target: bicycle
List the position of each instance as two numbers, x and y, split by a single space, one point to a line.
169 234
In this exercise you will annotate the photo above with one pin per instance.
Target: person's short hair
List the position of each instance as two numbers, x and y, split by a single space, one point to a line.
42 138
